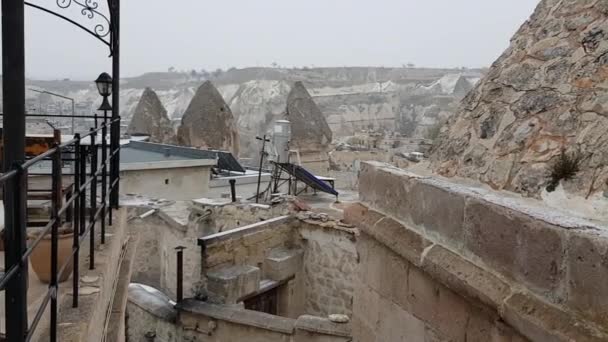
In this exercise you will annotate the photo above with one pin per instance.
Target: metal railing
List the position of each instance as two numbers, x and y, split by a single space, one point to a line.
72 210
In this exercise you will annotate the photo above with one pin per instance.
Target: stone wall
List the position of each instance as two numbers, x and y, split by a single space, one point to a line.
215 323
219 215
177 183
248 245
180 224
330 260
439 262
152 315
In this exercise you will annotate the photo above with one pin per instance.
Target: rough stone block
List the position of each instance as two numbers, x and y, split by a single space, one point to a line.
588 275
366 306
282 263
439 211
233 283
423 295
464 277
362 332
452 314
322 326
399 325
541 321
400 239
520 247
361 216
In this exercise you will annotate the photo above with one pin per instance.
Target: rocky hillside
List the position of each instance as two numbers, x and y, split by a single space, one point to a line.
407 100
541 112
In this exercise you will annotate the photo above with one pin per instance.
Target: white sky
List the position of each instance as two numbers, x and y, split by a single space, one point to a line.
198 34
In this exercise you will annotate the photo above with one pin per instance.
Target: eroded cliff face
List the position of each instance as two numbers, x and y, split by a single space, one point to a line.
150 117
208 122
406 100
548 92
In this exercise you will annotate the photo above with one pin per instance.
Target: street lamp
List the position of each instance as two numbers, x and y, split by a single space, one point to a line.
104 86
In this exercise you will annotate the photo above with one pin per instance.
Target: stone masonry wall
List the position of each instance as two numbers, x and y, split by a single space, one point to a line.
439 262
330 260
250 248
151 316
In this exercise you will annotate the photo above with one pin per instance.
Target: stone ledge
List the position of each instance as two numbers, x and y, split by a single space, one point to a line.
234 233
547 252
464 277
540 321
532 317
322 326
407 243
152 301
238 316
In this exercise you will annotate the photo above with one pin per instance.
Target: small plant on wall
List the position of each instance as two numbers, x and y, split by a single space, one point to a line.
564 168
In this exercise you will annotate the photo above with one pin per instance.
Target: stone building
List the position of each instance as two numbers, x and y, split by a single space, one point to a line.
208 122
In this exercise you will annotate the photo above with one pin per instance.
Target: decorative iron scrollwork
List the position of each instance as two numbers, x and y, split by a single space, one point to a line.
89 10
102 28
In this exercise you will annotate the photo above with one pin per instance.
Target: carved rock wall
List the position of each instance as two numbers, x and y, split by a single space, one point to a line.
547 92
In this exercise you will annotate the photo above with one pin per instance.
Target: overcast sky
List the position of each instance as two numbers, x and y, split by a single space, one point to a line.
197 34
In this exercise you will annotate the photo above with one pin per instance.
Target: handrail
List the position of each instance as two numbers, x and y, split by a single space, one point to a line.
72 208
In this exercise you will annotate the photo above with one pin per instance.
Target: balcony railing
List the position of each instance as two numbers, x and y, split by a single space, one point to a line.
91 160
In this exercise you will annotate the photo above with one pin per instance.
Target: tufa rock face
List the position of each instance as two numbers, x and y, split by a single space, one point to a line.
150 117
309 129
547 92
208 122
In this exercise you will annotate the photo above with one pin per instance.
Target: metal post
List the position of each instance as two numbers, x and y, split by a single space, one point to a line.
233 189
92 218
104 175
180 273
83 193
76 221
13 74
262 154
115 131
55 204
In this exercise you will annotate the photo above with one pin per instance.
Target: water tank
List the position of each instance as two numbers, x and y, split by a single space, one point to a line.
281 135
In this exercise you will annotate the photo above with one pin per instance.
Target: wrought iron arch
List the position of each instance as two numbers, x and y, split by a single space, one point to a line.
104 28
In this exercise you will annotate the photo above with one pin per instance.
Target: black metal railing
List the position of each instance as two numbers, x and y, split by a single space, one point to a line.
69 207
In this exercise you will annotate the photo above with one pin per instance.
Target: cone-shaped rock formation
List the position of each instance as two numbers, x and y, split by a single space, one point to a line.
150 117
548 92
309 129
208 122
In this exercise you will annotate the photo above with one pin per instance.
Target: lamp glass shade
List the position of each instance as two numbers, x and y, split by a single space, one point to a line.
104 84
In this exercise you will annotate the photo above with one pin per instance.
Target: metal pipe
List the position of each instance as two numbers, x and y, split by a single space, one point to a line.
262 154
92 218
83 192
76 223
233 189
180 273
115 131
15 200
104 175
55 203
